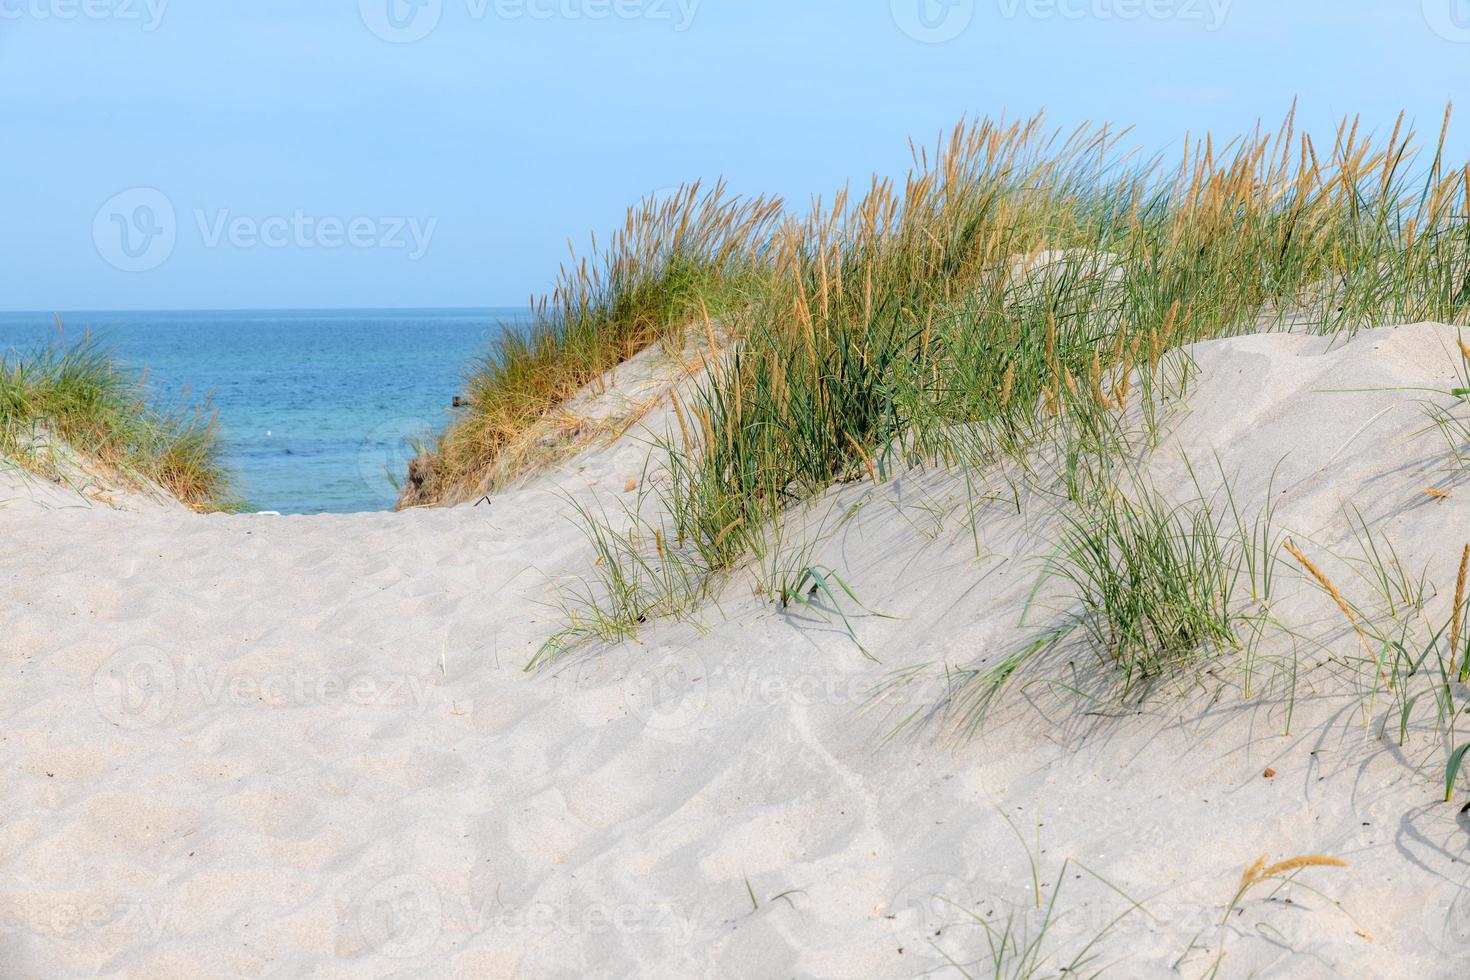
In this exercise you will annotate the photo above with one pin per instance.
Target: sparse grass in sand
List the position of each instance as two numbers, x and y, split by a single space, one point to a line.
1280 875
1452 420
1022 947
1282 872
62 397
1416 652
628 585
1019 950
1155 589
1156 582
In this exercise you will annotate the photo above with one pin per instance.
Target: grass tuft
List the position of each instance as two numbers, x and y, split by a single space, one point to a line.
75 395
1156 583
695 253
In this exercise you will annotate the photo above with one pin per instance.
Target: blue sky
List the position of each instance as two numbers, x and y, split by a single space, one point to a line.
320 154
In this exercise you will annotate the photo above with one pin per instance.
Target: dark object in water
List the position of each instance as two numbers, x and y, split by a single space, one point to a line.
461 402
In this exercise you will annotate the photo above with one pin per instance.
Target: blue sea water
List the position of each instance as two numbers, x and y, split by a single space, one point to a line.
317 408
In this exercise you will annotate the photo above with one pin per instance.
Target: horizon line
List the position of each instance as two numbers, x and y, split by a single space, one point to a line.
260 309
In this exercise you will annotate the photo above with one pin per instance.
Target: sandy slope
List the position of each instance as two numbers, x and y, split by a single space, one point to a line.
251 746
59 479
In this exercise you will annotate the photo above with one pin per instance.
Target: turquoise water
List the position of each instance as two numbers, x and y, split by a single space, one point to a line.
317 408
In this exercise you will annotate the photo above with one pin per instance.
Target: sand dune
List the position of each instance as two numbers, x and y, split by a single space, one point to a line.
281 747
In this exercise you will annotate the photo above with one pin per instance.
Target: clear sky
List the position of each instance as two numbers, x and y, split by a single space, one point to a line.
164 154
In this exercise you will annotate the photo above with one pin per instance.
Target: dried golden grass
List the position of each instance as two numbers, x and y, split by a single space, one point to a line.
1457 620
1260 872
1342 603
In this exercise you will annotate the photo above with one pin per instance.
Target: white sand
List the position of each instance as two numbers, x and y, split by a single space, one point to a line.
283 747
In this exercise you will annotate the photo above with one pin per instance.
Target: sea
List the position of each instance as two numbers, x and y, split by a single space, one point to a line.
319 410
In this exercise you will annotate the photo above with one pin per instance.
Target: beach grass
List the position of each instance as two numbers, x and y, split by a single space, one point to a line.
1412 652
695 253
1021 946
1021 274
1020 298
627 585
1157 583
73 397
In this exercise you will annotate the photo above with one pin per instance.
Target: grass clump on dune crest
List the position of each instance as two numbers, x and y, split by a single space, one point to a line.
1018 269
1024 288
694 253
75 395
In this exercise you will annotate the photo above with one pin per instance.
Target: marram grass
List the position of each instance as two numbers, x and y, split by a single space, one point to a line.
1021 291
1018 268
1156 582
689 256
76 396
